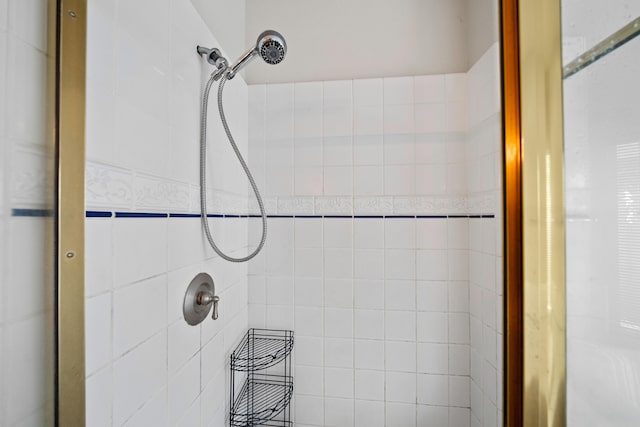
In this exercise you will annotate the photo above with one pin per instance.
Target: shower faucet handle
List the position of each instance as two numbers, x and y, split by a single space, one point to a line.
205 298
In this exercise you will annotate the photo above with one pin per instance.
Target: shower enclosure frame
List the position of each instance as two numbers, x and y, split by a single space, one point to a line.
534 239
534 321
68 27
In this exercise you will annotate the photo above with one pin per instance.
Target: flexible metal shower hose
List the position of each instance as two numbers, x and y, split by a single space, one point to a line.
203 170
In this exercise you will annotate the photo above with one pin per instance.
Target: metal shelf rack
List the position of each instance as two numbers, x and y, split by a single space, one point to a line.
261 363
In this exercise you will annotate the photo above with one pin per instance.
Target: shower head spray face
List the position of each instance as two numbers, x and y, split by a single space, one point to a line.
270 46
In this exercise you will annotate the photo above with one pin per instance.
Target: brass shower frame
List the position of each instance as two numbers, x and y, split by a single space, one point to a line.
68 18
535 303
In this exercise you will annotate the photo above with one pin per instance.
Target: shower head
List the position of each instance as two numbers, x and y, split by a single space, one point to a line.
270 46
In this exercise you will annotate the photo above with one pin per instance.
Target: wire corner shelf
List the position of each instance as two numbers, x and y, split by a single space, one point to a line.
262 360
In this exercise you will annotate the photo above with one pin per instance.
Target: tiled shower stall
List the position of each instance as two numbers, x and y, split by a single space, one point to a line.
384 251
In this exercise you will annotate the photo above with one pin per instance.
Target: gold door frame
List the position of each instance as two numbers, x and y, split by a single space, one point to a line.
535 323
70 23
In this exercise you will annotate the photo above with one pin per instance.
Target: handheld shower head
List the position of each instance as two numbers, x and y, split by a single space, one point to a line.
270 46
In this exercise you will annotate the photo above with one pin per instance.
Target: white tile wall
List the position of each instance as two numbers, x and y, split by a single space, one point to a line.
382 306
145 365
485 244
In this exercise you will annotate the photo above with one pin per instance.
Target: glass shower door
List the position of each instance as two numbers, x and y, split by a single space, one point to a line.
602 166
27 188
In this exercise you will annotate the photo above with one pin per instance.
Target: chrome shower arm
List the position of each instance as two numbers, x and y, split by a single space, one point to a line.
214 57
240 63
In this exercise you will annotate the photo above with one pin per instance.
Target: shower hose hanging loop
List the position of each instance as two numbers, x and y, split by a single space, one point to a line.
222 74
272 48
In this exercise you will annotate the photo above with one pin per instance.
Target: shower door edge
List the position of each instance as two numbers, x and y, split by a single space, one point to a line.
543 213
512 206
70 131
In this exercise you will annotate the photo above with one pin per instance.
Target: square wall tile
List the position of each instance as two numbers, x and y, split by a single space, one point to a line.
307 151
432 296
433 327
308 262
338 233
308 181
338 293
369 233
429 89
400 295
369 413
369 264
98 256
308 232
338 382
433 358
338 181
309 321
400 326
309 351
368 181
399 119
337 151
137 376
430 118
337 94
309 410
338 412
309 380
307 109
308 291
368 150
369 354
400 356
97 332
368 294
400 264
434 416
400 414
99 398
431 233
399 149
398 90
338 263
131 326
338 352
399 180
459 391
433 389
432 265
338 323
370 324
139 248
368 120
369 385
337 122
367 92
400 233
400 387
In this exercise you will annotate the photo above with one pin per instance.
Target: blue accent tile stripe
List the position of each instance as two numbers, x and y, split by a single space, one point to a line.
140 215
98 214
184 215
107 214
32 212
